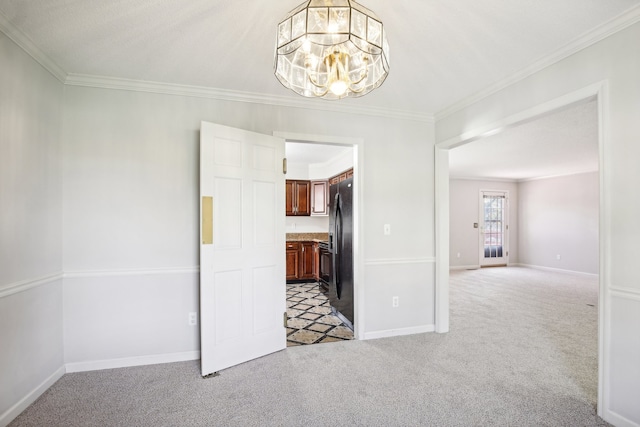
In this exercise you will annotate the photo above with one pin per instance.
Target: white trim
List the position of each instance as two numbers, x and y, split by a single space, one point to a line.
25 285
574 98
31 49
554 270
618 420
519 180
619 23
399 332
441 216
561 175
115 83
155 359
480 178
400 261
13 412
131 272
464 267
626 293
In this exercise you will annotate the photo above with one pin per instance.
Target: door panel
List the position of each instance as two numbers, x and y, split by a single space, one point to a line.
242 273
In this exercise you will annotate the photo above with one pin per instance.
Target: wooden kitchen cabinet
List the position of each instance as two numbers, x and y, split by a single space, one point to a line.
307 258
316 261
341 177
302 261
319 198
293 260
298 196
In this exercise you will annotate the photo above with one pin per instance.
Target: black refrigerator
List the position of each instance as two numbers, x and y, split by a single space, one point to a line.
341 250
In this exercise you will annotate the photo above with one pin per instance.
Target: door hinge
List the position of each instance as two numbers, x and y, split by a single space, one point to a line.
507 226
285 319
284 165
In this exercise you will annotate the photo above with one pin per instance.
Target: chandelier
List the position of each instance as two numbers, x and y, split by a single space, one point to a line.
331 49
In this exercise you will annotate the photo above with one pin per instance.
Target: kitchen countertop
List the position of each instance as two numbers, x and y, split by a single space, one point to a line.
307 237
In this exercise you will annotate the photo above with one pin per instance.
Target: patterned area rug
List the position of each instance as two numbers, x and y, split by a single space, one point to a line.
309 317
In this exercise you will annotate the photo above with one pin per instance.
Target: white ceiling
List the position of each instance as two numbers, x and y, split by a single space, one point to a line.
565 142
441 50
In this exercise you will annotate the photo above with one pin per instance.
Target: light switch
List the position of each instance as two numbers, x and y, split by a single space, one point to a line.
387 229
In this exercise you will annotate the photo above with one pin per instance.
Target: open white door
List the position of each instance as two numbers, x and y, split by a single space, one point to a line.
494 228
242 247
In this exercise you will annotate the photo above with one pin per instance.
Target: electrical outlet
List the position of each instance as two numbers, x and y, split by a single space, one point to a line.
458 254
558 257
395 302
387 229
193 318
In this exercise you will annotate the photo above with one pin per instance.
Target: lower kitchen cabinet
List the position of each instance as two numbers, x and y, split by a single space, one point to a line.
302 261
293 260
307 257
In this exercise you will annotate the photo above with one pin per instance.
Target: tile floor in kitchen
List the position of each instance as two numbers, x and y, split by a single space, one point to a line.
309 317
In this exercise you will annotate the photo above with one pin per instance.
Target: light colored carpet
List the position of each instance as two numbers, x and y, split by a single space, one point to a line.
521 352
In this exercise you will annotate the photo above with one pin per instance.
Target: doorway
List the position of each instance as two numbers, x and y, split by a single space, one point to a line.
315 315
596 93
494 228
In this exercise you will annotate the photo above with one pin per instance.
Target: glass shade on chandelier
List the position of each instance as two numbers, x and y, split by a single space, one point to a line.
331 49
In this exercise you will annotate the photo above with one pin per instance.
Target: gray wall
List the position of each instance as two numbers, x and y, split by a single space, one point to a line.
131 217
31 353
559 216
464 211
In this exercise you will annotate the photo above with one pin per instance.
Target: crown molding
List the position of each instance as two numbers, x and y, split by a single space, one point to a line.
28 46
237 96
482 178
619 23
559 175
521 180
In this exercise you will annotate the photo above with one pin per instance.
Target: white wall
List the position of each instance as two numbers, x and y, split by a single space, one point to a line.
559 216
464 211
615 60
131 216
31 354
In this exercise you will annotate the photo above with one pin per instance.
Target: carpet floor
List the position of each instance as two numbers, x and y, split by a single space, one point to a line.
522 351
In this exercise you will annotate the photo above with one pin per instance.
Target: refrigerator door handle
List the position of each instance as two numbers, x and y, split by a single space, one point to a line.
338 246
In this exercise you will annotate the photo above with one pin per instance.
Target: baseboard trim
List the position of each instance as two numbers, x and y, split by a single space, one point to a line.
13 412
399 332
618 420
126 362
25 285
556 270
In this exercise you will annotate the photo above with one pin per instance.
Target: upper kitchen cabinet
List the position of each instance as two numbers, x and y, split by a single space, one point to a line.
319 198
298 198
341 176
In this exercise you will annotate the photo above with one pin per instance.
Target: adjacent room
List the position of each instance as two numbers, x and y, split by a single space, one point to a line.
524 244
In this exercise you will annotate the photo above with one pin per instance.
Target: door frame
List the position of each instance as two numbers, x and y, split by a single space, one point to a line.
598 91
358 242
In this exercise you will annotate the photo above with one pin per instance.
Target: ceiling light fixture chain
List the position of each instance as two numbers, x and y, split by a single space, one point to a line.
331 49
